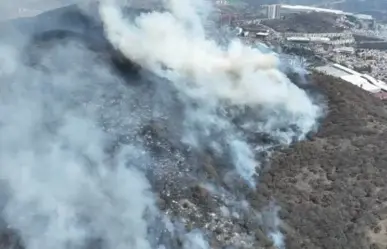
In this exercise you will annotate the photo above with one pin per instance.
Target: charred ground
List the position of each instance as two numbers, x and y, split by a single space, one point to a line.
331 187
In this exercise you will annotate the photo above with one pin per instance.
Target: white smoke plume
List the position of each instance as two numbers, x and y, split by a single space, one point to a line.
195 240
173 45
63 189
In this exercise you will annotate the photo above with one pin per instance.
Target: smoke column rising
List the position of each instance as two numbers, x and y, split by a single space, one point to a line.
174 45
63 187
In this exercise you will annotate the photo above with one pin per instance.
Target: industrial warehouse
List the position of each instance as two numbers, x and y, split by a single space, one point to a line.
364 81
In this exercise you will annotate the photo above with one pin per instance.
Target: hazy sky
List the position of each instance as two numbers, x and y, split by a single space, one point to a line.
22 8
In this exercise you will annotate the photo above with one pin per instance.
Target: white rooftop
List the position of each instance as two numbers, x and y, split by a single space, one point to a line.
297 38
309 8
361 82
364 81
364 17
382 84
330 70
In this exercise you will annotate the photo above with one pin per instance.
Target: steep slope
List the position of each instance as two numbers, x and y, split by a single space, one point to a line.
89 146
332 189
107 147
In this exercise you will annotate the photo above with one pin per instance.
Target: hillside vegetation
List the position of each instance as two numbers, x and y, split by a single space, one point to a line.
332 189
305 23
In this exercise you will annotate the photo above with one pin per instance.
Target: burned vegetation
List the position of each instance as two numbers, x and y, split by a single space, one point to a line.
330 187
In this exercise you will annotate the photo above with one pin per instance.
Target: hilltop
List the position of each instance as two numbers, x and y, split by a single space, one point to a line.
305 23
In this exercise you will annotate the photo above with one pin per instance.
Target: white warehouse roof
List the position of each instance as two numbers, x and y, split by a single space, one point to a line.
361 82
320 39
366 82
345 69
308 8
382 84
330 70
262 33
297 38
364 17
376 82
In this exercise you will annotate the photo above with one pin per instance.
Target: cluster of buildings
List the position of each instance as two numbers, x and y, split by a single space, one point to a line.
276 11
333 39
345 55
372 61
365 68
342 54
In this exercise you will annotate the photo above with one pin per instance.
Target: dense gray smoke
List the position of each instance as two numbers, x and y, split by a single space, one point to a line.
63 187
76 162
174 45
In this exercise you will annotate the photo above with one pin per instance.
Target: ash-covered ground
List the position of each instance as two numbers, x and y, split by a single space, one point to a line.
128 130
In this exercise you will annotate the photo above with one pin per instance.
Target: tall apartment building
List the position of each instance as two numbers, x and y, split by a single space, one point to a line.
273 11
